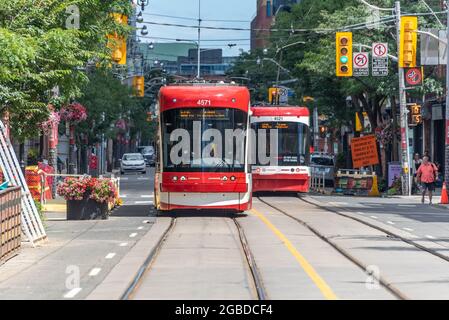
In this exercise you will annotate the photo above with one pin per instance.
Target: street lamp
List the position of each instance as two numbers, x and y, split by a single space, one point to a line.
144 31
140 17
143 3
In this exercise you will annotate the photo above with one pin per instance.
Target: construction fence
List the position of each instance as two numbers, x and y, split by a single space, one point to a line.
10 222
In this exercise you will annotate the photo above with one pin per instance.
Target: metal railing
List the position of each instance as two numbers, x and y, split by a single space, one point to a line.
317 181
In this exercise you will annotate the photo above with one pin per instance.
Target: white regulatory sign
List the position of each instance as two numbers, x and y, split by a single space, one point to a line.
380 50
380 59
360 63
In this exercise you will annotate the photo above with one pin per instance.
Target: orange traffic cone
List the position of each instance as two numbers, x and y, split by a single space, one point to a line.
444 198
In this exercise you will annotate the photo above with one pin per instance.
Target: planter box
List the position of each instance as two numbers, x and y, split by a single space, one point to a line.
86 209
10 223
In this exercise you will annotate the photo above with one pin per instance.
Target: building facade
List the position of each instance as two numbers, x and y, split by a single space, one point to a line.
264 19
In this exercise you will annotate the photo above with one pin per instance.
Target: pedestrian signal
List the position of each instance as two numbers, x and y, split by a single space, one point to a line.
344 54
415 117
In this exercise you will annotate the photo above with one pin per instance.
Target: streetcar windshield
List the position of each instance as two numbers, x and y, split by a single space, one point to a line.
204 140
293 142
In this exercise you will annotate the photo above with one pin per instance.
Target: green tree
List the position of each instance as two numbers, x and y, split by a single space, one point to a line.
38 53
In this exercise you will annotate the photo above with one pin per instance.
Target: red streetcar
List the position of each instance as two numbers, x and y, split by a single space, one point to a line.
202 160
291 170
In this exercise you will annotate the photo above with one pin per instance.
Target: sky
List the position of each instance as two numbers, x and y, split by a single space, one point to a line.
242 10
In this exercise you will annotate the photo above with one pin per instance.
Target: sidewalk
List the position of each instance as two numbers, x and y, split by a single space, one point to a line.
55 209
89 249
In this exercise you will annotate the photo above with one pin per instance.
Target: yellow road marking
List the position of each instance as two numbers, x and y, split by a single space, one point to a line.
307 267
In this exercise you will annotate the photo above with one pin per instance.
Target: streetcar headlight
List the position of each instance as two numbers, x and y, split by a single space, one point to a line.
183 178
175 178
233 178
224 178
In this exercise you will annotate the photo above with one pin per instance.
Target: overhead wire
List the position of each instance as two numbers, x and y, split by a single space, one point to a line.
195 19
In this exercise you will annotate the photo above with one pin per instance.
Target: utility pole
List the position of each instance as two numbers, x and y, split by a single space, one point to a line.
405 158
446 158
316 128
198 75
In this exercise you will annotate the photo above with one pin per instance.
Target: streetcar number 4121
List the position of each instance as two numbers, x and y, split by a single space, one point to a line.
204 103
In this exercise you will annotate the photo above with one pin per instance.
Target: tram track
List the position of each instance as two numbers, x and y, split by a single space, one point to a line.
379 228
146 266
256 279
382 281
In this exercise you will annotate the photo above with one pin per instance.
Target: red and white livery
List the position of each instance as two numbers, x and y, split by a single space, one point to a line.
213 174
292 171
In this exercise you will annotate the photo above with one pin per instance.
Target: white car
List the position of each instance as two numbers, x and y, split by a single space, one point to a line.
133 162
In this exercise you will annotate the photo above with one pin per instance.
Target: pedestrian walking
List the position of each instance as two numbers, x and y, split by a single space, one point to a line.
427 174
416 163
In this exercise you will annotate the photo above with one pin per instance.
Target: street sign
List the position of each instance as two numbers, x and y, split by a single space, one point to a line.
430 48
380 59
364 151
413 77
360 63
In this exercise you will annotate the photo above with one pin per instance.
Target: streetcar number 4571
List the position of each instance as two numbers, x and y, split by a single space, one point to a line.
204 103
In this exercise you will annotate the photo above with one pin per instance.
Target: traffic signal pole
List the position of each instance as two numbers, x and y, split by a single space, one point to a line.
446 158
405 158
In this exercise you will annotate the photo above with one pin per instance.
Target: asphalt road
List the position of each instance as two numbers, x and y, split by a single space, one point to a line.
408 214
337 248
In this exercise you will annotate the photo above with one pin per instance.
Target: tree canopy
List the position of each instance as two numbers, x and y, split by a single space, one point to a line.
313 63
39 51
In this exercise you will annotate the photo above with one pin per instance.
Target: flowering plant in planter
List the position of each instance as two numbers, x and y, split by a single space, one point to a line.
103 191
99 190
73 188
74 113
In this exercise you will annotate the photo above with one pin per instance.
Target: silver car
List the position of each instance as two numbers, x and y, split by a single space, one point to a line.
133 162
323 163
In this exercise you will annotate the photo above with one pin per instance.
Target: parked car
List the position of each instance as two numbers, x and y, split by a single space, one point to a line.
148 154
132 162
323 163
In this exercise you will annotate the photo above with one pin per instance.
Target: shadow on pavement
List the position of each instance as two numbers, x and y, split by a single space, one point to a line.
134 211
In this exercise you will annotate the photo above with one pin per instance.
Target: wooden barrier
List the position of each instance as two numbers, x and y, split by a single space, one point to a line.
10 223
355 182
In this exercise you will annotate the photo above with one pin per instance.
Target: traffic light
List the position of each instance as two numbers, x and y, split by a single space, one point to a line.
117 43
139 86
323 131
415 115
273 96
344 54
408 42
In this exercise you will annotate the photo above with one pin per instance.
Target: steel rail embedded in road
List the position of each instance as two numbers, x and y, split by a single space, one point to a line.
389 233
386 284
148 263
257 279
